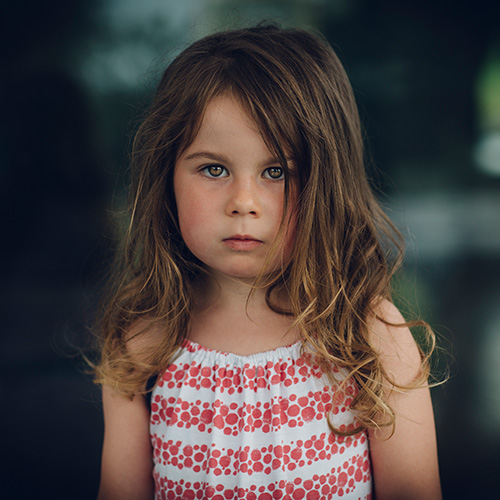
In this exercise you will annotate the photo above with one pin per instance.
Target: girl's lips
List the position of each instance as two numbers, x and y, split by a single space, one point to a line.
242 242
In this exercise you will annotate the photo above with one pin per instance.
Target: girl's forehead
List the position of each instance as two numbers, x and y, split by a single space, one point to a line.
227 129
228 109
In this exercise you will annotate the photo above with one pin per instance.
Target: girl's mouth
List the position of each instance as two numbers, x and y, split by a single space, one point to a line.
242 242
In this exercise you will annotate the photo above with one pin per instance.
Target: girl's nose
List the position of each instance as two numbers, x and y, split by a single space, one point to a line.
243 199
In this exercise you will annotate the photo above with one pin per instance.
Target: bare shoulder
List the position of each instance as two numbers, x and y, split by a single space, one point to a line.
394 342
143 334
126 465
404 462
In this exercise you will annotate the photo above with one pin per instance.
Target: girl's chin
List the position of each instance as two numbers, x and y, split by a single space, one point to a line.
246 272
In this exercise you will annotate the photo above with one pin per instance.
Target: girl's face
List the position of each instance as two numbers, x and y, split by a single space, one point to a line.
229 192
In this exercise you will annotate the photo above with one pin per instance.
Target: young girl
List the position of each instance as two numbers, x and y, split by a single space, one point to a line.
250 348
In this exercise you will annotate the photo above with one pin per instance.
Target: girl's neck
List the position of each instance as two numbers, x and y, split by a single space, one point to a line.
228 292
228 317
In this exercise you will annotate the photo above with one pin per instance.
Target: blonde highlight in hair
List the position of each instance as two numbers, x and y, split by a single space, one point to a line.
346 250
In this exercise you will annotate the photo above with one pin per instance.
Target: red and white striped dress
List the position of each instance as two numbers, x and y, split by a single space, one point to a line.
225 426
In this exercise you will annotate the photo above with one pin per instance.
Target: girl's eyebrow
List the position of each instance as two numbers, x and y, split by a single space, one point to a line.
207 155
223 159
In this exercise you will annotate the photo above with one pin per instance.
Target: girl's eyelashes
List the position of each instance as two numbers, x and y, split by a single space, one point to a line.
275 173
215 171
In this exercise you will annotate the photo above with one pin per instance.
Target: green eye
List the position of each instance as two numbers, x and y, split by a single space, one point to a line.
274 173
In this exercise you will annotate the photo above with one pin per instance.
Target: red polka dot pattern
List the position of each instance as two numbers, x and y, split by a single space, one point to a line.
267 416
320 487
254 427
247 460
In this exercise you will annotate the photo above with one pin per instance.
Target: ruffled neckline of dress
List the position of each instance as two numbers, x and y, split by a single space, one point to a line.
290 351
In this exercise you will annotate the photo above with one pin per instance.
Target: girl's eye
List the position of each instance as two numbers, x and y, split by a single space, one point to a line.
214 171
275 173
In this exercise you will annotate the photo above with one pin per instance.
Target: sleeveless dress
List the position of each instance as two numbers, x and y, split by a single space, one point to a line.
225 426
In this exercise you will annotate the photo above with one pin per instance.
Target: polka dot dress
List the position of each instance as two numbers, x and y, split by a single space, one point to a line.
254 427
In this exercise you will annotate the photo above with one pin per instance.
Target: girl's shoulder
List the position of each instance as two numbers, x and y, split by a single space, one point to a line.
142 335
393 341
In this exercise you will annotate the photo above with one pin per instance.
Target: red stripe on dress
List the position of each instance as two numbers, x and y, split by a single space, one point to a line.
341 481
268 416
247 460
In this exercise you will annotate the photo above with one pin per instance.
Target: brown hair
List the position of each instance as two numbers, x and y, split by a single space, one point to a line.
295 88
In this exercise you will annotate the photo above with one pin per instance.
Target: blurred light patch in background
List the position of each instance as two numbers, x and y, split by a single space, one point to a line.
487 150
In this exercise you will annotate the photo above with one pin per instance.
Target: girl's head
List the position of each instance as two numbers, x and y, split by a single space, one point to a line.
294 90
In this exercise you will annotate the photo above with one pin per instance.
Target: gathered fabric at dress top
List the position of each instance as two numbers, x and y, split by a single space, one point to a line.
225 426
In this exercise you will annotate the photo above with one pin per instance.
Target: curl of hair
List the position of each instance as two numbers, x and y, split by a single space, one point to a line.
294 87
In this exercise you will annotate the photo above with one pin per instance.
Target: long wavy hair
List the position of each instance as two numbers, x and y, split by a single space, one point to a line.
346 250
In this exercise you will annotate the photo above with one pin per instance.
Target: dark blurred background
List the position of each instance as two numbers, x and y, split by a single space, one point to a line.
76 76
